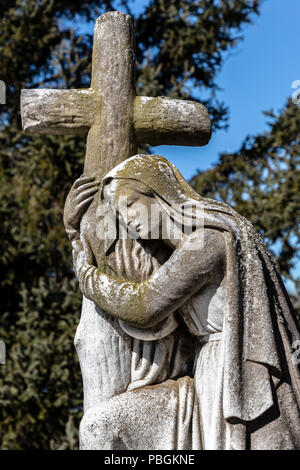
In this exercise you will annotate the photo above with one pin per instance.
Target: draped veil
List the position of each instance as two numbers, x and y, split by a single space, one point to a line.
259 325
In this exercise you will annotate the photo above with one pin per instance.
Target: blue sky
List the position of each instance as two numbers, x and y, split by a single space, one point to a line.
256 77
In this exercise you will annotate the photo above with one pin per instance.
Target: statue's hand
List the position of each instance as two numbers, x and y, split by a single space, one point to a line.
77 202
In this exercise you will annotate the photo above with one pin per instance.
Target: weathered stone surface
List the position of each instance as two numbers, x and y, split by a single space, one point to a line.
165 121
57 111
184 339
156 121
113 79
224 286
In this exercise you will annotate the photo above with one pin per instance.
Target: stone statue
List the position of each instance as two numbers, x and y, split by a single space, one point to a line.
201 327
186 331
116 122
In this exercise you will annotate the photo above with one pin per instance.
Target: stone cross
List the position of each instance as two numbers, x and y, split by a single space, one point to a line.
114 119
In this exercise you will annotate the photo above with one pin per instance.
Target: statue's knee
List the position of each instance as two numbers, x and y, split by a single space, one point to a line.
99 427
95 429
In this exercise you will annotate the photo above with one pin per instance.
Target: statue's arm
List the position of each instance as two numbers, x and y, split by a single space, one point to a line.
144 304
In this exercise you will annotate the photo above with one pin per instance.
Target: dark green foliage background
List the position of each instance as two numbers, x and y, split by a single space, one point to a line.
180 48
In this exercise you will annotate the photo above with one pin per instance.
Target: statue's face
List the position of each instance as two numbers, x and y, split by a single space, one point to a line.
136 211
140 211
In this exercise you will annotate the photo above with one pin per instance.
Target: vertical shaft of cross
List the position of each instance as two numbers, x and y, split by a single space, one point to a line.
111 138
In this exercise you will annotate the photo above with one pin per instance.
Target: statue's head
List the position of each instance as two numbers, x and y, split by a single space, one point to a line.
150 195
134 202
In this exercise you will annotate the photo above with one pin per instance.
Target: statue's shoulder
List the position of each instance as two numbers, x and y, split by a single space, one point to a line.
207 238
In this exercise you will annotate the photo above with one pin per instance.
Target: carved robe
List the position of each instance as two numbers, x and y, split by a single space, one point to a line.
247 383
143 368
